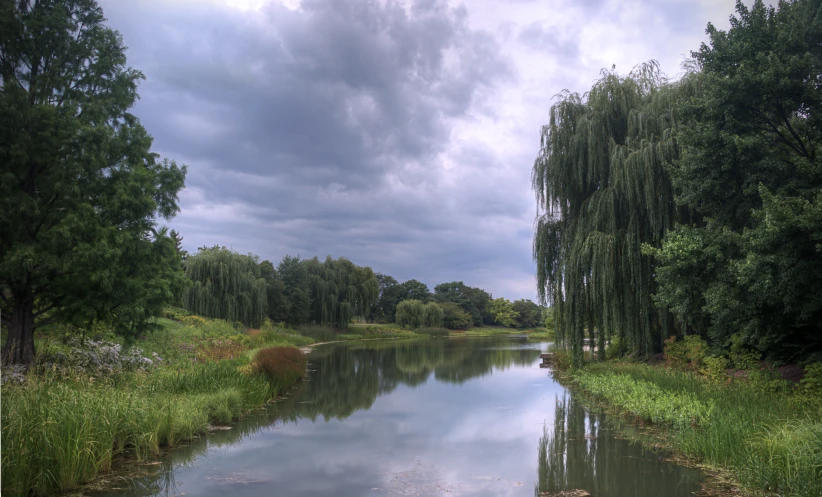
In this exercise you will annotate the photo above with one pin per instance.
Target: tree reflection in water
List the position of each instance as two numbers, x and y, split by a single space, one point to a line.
583 451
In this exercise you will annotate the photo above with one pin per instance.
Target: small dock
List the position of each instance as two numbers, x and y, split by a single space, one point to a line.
547 359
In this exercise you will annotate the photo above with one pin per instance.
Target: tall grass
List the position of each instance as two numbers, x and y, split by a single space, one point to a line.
59 432
771 437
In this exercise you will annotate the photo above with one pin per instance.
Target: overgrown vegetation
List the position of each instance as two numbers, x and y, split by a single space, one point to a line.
761 427
85 404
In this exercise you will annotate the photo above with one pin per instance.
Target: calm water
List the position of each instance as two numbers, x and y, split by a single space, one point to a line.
431 417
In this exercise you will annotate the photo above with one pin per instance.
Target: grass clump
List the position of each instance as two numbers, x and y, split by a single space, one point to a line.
282 365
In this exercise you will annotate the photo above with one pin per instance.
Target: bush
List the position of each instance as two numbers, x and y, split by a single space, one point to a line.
715 369
811 384
454 318
690 351
283 366
94 358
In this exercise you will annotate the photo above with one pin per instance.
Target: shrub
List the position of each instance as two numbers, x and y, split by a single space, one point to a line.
95 358
283 366
811 384
454 318
715 369
691 350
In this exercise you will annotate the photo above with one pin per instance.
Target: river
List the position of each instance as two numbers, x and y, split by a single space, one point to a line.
438 417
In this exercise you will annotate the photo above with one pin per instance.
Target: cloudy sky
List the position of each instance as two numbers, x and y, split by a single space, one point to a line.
400 134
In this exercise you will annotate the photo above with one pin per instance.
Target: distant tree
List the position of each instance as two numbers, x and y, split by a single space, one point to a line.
296 290
390 292
340 290
529 314
411 314
226 285
178 245
454 318
503 312
278 305
81 190
416 290
474 301
433 315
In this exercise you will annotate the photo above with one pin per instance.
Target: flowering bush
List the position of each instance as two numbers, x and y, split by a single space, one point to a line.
282 365
95 357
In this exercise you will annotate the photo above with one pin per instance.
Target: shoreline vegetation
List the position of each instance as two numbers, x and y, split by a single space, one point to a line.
736 419
87 404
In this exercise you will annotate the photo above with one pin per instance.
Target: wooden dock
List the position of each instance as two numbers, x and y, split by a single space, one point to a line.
546 360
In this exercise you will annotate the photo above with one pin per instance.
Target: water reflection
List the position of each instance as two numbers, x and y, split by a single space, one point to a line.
429 417
583 451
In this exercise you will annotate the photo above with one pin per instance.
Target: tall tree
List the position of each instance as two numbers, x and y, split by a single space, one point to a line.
278 305
474 301
503 312
340 290
602 183
80 189
390 293
751 169
226 285
296 290
416 290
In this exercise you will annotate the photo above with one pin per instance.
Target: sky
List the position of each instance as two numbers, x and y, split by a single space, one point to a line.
399 134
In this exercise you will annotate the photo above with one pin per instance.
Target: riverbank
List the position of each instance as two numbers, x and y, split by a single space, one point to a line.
762 432
90 403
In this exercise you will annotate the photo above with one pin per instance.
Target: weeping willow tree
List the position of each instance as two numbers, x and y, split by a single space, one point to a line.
415 314
226 285
603 191
340 290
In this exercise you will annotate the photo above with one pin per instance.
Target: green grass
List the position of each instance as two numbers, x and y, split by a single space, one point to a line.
60 432
769 435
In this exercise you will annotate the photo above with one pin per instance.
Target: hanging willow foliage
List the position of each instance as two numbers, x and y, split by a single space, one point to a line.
340 290
603 191
226 285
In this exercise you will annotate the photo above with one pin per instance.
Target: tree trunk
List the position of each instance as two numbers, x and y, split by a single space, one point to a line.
19 348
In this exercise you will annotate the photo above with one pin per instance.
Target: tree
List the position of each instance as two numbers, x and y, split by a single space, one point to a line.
80 189
340 290
454 318
297 292
390 291
416 290
602 183
474 301
411 314
432 315
749 262
278 305
503 312
226 285
178 245
528 314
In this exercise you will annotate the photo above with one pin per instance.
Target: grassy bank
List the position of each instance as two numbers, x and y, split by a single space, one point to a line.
765 431
89 404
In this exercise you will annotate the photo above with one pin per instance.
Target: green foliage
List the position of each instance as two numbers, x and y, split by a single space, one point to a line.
411 314
414 290
296 309
81 190
647 400
473 301
454 318
748 261
390 295
690 351
226 285
812 382
768 437
433 315
340 290
714 369
601 180
503 312
529 314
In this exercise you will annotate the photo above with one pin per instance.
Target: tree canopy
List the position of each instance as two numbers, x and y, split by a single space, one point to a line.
226 285
340 290
82 192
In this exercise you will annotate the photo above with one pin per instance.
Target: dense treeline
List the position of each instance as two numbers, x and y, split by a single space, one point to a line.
691 206
227 285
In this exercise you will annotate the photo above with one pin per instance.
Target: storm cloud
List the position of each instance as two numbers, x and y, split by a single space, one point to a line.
398 134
